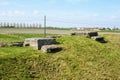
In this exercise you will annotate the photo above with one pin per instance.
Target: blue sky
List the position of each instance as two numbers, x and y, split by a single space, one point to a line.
63 13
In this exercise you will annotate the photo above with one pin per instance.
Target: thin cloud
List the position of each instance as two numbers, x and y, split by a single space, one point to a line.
36 12
12 13
4 3
75 1
52 1
114 17
8 3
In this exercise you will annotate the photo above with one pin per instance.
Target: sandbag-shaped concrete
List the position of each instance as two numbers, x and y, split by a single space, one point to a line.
51 48
97 38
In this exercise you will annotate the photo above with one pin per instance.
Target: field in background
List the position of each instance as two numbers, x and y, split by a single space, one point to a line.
61 31
80 59
113 31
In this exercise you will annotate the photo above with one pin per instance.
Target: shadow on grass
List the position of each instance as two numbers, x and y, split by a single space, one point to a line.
103 41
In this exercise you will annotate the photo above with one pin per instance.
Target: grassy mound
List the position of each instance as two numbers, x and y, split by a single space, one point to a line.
81 58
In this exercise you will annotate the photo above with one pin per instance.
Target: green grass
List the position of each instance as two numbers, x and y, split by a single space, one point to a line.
19 37
8 38
80 59
115 31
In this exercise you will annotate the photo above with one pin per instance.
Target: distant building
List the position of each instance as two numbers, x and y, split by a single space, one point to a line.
87 29
115 28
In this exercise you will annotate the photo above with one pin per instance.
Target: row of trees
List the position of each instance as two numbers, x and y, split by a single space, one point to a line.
19 25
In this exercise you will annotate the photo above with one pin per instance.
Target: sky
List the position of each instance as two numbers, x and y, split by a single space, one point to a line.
62 13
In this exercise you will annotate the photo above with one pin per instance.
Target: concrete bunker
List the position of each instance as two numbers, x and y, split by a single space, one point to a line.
37 43
92 35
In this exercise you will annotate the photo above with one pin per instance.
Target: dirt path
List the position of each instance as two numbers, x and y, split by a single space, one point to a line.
34 31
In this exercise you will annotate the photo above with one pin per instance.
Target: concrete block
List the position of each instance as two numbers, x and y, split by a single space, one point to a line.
2 44
37 43
20 44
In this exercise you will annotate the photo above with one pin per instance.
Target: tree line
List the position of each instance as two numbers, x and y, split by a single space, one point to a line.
19 25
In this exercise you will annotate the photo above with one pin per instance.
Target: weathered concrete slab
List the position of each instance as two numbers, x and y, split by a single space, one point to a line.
92 35
97 38
19 44
37 43
51 48
3 44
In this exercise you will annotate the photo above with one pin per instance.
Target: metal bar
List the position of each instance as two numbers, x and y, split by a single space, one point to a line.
44 26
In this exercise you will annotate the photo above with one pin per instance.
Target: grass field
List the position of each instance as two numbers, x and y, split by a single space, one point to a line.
80 59
114 31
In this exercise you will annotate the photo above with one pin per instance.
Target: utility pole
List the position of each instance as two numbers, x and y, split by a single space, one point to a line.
44 26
